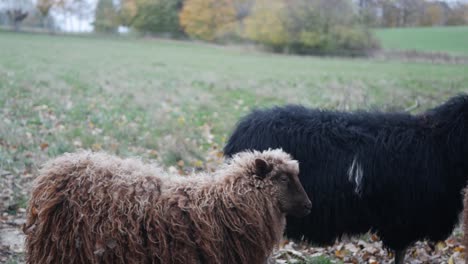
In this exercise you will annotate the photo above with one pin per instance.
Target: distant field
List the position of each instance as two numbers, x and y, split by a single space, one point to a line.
442 39
176 101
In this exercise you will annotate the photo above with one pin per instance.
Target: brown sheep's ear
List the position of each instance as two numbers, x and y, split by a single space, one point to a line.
262 168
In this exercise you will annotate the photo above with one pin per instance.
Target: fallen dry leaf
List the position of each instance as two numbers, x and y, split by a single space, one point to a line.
44 145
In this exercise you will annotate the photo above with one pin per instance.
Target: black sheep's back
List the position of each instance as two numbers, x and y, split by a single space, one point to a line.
402 193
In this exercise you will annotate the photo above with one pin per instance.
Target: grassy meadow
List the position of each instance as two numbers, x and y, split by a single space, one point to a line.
176 102
452 40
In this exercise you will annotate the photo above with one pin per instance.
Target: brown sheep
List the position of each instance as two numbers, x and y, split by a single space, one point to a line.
97 208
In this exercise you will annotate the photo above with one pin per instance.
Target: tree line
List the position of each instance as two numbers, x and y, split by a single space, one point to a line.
296 26
412 13
38 13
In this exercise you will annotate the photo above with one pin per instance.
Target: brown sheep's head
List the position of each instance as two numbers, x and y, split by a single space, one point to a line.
292 198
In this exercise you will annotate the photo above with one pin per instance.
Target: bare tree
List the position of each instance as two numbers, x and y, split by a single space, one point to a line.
334 12
370 12
17 16
458 14
67 9
17 11
81 9
410 11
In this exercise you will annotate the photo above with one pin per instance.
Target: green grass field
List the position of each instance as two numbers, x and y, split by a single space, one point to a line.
431 39
177 101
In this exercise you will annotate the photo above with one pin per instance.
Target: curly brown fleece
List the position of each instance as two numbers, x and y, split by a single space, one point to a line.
97 208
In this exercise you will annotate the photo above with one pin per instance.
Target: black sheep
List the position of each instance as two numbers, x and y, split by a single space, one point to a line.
395 174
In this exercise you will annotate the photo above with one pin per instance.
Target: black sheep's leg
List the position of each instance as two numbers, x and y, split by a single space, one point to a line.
400 256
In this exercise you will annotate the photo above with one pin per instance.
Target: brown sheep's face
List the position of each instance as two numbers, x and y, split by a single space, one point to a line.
292 198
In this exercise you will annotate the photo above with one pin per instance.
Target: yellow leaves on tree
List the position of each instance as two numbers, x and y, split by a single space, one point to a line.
433 15
44 6
266 24
207 19
128 11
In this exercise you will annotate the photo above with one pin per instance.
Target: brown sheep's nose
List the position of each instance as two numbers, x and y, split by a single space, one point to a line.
308 205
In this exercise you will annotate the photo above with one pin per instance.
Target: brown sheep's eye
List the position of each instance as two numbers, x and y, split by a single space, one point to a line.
284 178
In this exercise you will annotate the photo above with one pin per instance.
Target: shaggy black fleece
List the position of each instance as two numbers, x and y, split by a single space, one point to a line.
396 174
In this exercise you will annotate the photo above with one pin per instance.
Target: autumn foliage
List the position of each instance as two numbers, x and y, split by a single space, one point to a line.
267 23
106 17
44 6
338 27
128 11
207 19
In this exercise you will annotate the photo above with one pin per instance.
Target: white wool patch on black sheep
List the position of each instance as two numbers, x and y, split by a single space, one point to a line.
396 174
